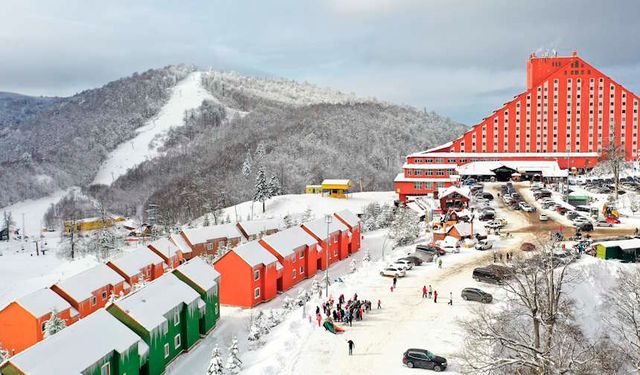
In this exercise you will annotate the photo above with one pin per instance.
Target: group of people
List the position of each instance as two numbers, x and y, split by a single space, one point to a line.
498 256
428 293
345 311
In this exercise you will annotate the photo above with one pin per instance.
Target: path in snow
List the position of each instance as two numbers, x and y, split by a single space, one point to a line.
187 94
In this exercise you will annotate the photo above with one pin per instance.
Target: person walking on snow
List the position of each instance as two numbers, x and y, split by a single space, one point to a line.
395 280
351 346
430 291
379 304
439 263
450 299
424 291
435 296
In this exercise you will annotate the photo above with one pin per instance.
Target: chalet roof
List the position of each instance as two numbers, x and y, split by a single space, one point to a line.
204 234
131 263
465 192
78 347
179 241
336 182
165 247
319 227
148 305
201 273
286 241
255 227
349 217
80 286
43 301
254 254
463 228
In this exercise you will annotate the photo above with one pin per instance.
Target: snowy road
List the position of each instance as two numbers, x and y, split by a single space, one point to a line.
187 94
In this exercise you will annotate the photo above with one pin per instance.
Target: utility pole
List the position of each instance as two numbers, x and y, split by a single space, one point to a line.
328 220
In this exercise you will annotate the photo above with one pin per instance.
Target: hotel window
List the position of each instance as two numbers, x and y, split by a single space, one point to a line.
440 160
94 301
105 369
429 160
301 270
418 172
104 296
209 246
409 172
301 256
417 185
256 275
440 172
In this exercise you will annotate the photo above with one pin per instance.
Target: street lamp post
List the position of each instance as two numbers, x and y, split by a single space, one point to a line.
328 220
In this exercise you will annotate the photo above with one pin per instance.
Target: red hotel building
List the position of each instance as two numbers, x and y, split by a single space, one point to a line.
568 114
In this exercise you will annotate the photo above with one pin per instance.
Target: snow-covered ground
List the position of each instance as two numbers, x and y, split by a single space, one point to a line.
187 94
34 210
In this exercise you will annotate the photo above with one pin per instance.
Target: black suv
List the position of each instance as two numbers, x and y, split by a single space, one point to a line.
421 358
491 274
475 294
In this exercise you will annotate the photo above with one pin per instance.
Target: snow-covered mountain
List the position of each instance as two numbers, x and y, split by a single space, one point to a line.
180 136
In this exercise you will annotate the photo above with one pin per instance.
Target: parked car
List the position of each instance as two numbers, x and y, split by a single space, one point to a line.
572 215
493 225
527 246
423 256
487 196
487 215
407 265
450 247
475 294
544 217
526 208
584 227
580 219
421 358
393 271
431 249
491 274
561 210
483 245
413 259
603 223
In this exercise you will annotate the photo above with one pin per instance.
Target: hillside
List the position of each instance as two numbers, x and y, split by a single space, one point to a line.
52 144
306 134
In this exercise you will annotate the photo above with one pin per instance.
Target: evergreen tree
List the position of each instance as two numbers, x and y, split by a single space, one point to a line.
262 192
54 324
8 223
246 165
274 187
234 364
206 221
307 215
215 365
260 154
405 226
288 222
4 353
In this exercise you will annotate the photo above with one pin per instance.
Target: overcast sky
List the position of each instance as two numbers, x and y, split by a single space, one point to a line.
459 58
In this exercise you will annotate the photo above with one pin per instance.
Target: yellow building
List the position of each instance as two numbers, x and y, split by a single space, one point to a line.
313 189
91 223
336 188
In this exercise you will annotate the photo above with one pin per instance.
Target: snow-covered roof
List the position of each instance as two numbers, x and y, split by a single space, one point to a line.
80 286
255 227
286 241
428 166
401 178
76 348
421 153
253 254
165 247
42 302
416 208
633 243
319 226
465 192
201 273
336 182
148 305
463 228
179 241
204 234
349 217
131 263
548 168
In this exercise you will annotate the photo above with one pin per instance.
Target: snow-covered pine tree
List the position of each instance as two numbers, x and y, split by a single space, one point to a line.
262 190
234 364
274 187
261 151
307 215
352 266
206 221
370 223
385 216
405 226
54 324
215 365
288 222
4 353
246 165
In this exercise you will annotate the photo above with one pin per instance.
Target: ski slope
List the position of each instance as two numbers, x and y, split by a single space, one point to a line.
187 94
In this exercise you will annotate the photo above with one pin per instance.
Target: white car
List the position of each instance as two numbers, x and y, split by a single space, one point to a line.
544 217
603 223
450 247
484 245
580 219
393 271
405 264
525 207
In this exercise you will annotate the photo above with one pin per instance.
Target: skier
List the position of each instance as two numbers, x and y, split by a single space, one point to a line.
430 291
351 346
439 263
450 299
435 296
424 291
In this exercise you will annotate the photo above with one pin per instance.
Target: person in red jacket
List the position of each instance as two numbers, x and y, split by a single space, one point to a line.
424 291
